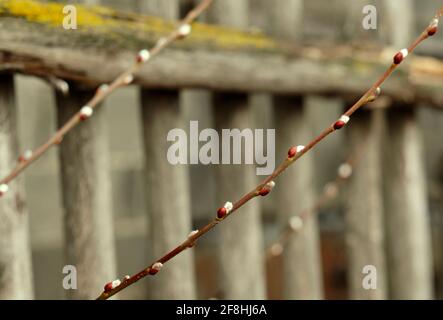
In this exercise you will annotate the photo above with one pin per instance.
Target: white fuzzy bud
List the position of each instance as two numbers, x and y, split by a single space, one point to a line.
143 56
192 233
86 111
228 206
27 154
378 91
115 283
300 148
434 23
126 278
344 118
345 171
184 30
157 266
4 188
404 52
128 79
103 88
296 223
270 185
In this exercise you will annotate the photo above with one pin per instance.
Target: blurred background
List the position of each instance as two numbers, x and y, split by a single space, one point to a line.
389 214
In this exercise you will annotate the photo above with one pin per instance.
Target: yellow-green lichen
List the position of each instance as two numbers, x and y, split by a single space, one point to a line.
114 24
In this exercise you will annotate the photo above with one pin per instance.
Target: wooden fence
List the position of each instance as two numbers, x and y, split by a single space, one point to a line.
386 205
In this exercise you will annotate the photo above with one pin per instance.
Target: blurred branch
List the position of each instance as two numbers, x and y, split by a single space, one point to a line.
104 91
35 44
266 186
330 192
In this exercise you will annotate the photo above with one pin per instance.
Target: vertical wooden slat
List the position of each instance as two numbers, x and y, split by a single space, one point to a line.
15 252
87 198
400 23
167 189
364 207
302 276
167 195
167 9
240 247
407 212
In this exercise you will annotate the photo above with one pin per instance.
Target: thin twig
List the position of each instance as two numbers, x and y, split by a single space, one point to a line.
267 184
103 92
330 192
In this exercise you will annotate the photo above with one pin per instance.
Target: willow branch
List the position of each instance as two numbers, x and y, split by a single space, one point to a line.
265 187
124 79
330 192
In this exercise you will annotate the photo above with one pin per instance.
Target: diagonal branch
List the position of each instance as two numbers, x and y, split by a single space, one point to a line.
330 191
267 184
124 79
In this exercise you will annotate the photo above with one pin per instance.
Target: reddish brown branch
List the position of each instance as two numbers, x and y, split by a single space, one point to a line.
330 191
293 155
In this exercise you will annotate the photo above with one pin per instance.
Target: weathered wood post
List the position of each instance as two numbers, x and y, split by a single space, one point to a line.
15 252
302 272
87 198
167 188
407 212
240 247
364 233
364 209
406 198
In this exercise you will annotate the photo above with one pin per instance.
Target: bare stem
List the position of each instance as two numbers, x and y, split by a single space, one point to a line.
103 92
330 192
293 156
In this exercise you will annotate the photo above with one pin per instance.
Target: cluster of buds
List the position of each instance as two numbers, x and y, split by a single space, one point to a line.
433 27
294 150
225 210
267 189
86 112
112 285
156 267
25 156
340 123
3 189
